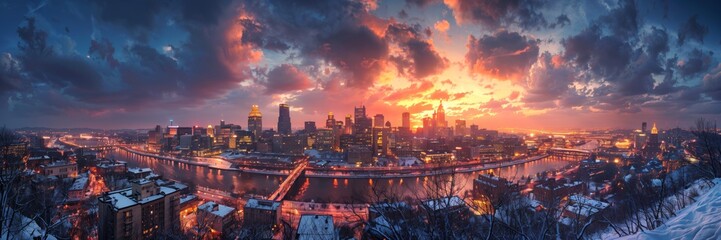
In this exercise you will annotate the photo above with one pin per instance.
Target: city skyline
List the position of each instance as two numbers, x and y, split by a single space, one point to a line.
590 65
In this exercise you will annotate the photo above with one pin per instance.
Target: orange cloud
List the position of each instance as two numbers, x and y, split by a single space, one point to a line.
442 26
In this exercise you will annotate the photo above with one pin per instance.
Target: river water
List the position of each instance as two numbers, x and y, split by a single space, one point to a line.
339 190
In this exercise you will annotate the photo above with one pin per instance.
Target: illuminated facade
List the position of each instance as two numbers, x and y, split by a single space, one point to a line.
255 122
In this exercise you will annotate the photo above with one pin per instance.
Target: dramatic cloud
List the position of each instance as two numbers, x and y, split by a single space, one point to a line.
442 26
695 63
692 30
561 21
550 79
112 62
285 78
493 14
712 83
506 55
419 54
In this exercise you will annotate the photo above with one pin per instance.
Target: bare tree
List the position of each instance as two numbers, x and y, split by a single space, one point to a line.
706 149
14 153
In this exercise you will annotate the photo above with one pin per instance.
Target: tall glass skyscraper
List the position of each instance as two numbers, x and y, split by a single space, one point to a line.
284 119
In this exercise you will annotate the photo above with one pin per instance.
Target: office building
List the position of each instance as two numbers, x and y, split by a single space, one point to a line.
284 119
406 120
255 122
461 129
330 121
309 127
378 120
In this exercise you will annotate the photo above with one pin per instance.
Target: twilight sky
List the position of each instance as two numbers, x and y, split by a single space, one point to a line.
534 64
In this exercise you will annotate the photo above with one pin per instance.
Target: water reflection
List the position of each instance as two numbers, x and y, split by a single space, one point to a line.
323 189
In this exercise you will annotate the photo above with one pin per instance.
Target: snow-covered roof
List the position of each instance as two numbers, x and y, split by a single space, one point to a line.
262 204
216 209
187 198
120 201
444 203
316 227
583 206
139 170
79 184
125 198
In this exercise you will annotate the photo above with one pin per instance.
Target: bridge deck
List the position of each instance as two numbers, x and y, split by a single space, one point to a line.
284 187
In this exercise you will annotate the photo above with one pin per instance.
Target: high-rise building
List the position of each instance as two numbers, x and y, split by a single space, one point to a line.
255 122
284 119
330 122
359 112
309 127
441 117
348 124
378 120
406 120
474 131
461 128
643 127
653 146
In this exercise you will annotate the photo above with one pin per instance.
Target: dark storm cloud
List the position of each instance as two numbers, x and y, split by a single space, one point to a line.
549 81
426 60
331 31
285 78
712 84
623 20
697 62
604 55
10 78
356 51
692 30
420 56
561 21
503 54
206 64
104 50
493 14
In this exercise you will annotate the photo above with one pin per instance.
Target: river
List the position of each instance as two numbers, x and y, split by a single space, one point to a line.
338 190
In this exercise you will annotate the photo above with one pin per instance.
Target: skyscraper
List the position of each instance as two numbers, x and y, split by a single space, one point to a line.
284 119
378 120
255 122
441 117
348 124
653 145
330 122
643 127
309 127
461 127
406 120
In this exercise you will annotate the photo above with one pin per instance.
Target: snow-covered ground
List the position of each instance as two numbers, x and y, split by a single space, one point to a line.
700 220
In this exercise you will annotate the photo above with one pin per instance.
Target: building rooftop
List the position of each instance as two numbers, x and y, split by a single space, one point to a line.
262 204
139 170
124 198
216 209
79 184
444 203
316 227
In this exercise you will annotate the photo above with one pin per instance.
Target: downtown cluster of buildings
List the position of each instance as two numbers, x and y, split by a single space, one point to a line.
356 139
